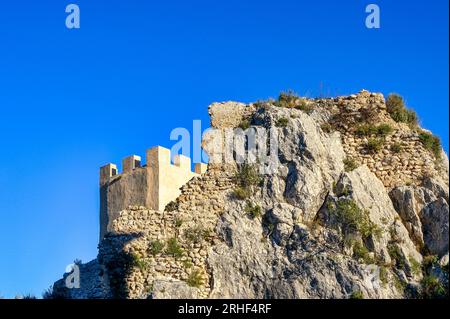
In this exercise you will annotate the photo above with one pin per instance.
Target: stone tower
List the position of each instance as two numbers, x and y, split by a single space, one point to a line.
153 185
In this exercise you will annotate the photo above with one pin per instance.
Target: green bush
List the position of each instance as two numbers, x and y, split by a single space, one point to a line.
384 275
242 193
431 142
187 264
430 261
432 288
305 107
254 211
247 177
156 247
282 122
397 256
416 267
381 130
399 112
350 164
326 127
262 104
139 262
287 99
354 219
195 279
384 130
245 124
357 295
396 148
174 248
366 130
374 145
196 234
361 252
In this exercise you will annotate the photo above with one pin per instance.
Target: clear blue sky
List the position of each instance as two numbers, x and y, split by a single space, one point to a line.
72 100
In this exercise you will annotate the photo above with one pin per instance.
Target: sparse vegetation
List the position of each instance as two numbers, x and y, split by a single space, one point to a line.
433 288
430 261
431 142
396 147
156 247
416 267
374 145
187 264
178 222
172 206
399 284
287 99
247 177
399 112
195 278
262 103
397 256
174 248
361 252
254 211
384 275
196 234
49 293
282 122
245 124
241 193
357 295
353 219
139 262
350 164
326 127
304 106
381 130
384 130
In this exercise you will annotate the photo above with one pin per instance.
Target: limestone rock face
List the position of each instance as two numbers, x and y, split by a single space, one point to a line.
310 161
435 227
310 228
424 212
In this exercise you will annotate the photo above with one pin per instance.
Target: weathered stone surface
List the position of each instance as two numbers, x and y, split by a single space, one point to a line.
424 212
311 161
93 283
435 227
228 114
170 289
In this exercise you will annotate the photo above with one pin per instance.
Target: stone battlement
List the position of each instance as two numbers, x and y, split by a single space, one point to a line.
153 185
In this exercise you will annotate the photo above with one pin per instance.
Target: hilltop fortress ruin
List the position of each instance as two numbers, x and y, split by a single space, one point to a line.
153 185
360 186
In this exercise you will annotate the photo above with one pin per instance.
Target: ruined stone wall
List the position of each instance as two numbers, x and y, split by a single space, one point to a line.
394 168
195 214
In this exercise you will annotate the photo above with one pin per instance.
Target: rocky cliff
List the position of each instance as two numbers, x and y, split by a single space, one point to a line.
356 207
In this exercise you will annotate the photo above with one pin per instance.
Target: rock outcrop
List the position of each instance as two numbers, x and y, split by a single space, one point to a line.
312 228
